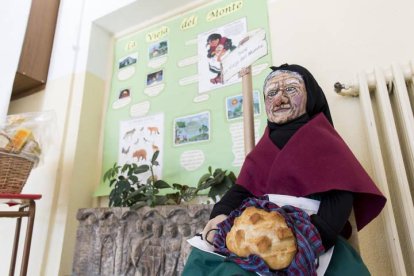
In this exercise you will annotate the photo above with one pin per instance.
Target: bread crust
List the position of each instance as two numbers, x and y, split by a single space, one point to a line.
265 234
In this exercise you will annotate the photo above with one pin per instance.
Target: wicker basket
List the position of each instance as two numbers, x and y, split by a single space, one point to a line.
14 171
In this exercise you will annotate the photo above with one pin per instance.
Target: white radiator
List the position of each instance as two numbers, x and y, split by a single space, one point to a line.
387 101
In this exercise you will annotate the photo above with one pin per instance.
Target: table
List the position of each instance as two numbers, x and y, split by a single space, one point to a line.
27 208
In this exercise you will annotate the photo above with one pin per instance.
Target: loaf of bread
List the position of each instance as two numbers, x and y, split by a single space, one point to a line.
265 234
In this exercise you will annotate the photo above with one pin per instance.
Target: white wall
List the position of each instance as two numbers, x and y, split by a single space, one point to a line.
76 92
13 21
334 40
68 79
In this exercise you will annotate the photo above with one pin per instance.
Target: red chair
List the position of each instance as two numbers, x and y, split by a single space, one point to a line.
27 208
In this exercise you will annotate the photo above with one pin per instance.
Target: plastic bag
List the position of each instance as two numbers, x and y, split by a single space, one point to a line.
28 134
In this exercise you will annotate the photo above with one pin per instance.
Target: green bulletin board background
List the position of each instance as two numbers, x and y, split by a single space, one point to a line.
176 100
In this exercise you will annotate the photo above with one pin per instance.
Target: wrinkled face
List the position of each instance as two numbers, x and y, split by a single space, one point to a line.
285 97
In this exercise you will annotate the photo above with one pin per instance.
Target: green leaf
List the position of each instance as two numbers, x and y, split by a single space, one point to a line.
130 172
112 182
160 200
142 188
155 156
138 205
141 169
189 193
161 184
136 195
115 200
227 182
210 182
203 179
184 188
133 178
125 167
177 186
149 192
124 185
217 172
129 191
232 177
173 198
217 190
107 175
111 198
113 173
219 177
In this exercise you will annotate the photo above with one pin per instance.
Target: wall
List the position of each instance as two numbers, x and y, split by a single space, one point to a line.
66 178
13 21
334 40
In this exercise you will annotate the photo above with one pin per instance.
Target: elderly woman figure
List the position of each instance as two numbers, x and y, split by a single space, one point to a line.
301 155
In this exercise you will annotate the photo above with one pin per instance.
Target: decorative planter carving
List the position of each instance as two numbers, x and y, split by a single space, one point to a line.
149 241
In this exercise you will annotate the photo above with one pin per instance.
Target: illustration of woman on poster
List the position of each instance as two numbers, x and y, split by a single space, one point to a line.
218 47
212 46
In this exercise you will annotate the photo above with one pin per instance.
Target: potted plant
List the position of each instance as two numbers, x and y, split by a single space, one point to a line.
129 191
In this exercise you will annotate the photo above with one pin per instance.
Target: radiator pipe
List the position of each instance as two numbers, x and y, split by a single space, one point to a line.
352 89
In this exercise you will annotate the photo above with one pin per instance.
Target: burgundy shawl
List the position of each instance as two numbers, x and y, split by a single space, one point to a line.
314 160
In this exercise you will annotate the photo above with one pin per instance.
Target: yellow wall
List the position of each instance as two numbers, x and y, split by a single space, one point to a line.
333 39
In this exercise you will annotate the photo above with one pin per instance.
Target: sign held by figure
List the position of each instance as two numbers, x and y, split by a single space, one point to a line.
239 61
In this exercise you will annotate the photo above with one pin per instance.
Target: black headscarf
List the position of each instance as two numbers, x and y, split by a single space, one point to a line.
316 103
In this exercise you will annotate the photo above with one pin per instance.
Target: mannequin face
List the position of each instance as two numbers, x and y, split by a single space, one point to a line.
285 97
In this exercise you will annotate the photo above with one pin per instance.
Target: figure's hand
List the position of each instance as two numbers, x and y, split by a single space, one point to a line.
212 224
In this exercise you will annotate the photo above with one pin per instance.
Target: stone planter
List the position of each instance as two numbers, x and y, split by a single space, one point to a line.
149 241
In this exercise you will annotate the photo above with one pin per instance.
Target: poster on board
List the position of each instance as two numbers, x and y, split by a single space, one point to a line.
139 139
171 68
213 46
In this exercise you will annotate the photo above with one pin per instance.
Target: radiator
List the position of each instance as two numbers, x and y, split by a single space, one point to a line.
387 101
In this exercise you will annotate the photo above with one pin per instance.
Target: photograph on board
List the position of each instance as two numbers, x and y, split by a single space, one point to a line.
192 129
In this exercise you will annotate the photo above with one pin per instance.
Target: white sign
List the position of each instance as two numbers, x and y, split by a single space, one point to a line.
245 54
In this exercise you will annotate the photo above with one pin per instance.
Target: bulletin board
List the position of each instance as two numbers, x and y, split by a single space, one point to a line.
166 94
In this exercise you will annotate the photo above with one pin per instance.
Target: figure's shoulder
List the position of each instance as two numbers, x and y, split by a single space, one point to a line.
319 129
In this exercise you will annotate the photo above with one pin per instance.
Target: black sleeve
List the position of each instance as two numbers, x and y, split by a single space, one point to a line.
230 201
332 216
